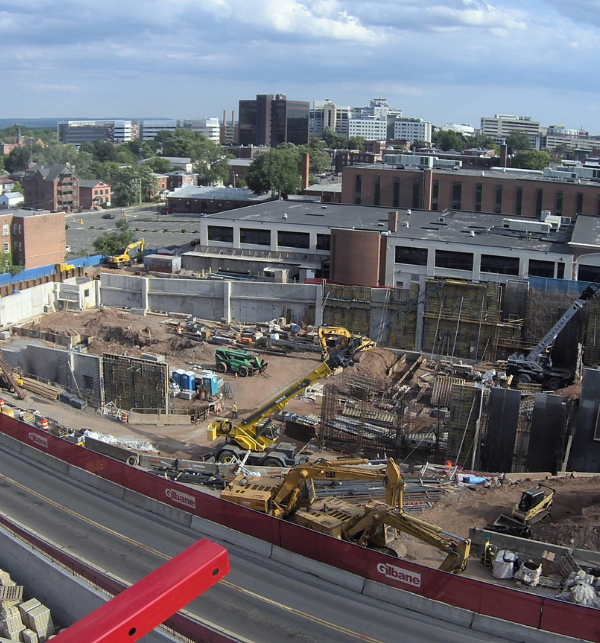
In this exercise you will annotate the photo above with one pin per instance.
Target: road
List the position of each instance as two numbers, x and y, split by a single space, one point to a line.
262 600
157 230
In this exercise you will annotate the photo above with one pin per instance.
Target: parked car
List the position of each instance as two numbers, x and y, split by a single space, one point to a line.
166 211
195 242
108 215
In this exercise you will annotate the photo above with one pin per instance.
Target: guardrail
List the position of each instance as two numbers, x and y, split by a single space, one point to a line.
181 626
511 605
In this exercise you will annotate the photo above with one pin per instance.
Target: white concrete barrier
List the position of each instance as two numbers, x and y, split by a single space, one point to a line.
46 459
10 443
420 604
219 532
158 508
328 573
96 482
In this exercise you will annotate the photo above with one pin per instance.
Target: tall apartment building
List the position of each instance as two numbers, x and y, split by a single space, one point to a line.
502 125
54 188
412 129
273 119
208 127
152 126
370 129
78 132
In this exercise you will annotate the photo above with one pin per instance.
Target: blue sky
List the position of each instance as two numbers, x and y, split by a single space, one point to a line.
443 60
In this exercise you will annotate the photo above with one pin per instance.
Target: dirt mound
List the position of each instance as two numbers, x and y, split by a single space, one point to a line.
375 363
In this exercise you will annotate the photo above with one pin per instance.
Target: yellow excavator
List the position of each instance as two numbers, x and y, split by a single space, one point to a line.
254 438
372 525
126 258
281 498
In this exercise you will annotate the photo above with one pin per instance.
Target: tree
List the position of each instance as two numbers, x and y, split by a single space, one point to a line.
18 159
448 140
518 142
320 161
277 171
133 183
17 187
356 143
564 151
480 141
158 164
532 160
102 151
114 242
125 155
333 139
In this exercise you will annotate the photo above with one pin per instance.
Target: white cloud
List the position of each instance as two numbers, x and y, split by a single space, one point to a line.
46 88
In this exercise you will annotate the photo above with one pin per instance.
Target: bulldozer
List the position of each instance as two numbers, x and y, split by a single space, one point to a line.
534 506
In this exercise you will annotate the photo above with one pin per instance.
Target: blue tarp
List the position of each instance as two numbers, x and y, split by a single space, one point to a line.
43 271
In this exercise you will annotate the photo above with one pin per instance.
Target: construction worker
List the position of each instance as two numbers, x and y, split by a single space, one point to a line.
234 411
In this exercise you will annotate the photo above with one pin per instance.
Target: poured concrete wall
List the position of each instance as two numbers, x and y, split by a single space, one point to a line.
26 304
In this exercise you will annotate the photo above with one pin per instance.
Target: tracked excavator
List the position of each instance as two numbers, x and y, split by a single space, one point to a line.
372 525
254 439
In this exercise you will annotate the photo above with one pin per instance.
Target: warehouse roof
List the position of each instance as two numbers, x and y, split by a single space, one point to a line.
476 228
216 194
586 232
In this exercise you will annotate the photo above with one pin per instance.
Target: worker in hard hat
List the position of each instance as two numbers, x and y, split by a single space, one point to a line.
234 411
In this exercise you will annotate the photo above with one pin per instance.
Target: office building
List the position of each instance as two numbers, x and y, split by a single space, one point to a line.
412 130
501 126
78 132
150 127
273 119
208 127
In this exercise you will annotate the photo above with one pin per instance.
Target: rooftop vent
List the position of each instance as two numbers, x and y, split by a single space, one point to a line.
285 215
471 233
408 212
406 224
441 219
323 207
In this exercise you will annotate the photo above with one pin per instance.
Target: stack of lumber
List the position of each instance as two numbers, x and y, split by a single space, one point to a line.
43 390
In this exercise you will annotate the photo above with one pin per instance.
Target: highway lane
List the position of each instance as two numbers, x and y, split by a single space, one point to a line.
261 600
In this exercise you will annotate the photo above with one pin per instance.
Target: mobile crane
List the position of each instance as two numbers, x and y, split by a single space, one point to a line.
125 259
371 525
281 498
537 365
257 434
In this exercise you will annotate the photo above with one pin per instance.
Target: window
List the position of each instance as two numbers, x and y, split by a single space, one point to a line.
19 228
20 245
323 242
377 191
456 195
255 236
15 226
519 203
415 195
560 271
86 292
357 189
541 268
413 256
6 247
579 203
500 265
453 260
220 233
5 230
539 197
498 206
559 203
291 239
435 192
396 193
478 195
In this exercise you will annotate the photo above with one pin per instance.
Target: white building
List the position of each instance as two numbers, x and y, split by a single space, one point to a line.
459 128
123 132
501 127
369 129
10 199
209 127
412 129
327 114
151 127
576 139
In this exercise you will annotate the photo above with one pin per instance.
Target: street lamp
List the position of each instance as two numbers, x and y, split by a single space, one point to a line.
234 178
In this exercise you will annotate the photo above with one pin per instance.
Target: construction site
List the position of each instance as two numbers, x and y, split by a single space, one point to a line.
428 385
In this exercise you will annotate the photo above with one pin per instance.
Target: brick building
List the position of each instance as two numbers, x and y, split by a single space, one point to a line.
54 188
180 179
35 238
94 193
498 190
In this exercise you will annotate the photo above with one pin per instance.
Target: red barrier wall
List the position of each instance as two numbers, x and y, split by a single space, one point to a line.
482 598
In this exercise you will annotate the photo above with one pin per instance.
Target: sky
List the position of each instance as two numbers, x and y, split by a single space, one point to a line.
441 60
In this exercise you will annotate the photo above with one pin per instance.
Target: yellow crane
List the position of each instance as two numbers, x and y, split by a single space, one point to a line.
125 259
257 434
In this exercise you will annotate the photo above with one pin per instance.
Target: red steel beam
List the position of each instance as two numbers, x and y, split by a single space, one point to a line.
145 605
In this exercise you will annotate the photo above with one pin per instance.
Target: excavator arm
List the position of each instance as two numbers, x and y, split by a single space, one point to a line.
254 432
457 549
286 499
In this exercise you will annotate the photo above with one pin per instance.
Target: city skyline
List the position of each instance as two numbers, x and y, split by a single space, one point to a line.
441 60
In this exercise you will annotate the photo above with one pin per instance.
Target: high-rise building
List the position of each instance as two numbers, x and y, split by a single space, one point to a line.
152 126
209 127
78 132
273 119
412 129
501 127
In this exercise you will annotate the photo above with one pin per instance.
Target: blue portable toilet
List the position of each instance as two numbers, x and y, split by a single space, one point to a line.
191 380
214 384
176 376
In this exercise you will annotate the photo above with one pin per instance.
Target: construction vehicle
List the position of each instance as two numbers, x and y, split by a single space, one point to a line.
254 438
238 361
281 498
372 525
537 366
11 381
126 257
534 506
64 267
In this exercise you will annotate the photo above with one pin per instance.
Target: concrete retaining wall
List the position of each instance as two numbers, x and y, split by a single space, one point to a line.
157 419
26 304
68 598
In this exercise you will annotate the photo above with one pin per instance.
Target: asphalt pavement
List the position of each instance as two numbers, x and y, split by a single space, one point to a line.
261 600
158 230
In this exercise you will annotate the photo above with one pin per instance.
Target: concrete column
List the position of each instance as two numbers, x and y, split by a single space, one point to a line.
319 310
145 289
427 189
420 313
97 286
227 301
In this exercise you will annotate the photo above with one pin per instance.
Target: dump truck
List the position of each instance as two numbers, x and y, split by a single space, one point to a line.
238 361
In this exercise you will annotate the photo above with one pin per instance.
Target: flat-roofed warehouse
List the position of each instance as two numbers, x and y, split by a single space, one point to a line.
370 246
